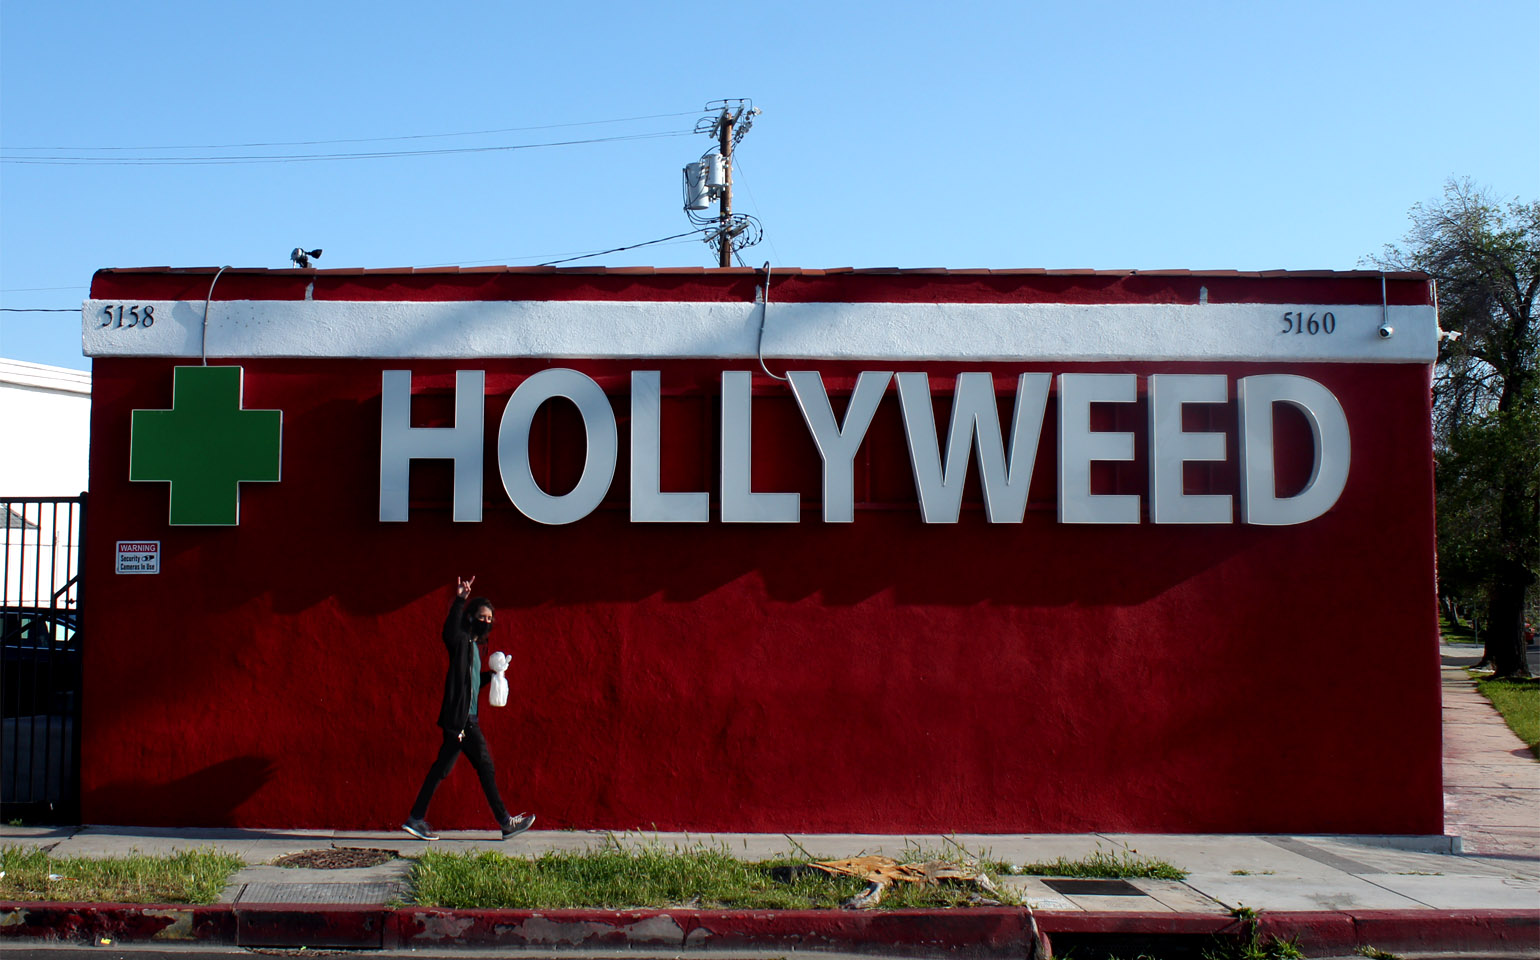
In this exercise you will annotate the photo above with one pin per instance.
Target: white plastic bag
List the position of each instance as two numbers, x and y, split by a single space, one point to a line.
498 694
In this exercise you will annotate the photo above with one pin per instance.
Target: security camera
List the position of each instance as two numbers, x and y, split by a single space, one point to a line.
1387 331
302 257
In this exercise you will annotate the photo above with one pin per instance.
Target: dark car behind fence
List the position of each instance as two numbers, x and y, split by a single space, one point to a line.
40 646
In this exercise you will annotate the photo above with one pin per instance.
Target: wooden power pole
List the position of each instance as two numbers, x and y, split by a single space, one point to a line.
725 209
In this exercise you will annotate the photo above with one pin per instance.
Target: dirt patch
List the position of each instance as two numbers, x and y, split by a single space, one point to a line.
337 858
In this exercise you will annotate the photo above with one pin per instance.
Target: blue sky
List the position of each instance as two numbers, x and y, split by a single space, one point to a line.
1105 135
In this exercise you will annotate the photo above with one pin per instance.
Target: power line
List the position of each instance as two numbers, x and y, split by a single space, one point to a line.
414 136
308 158
774 252
676 238
509 260
73 286
633 246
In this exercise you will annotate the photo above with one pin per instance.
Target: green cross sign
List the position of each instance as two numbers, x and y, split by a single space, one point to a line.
205 446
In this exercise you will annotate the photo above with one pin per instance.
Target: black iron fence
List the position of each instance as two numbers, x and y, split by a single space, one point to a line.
40 644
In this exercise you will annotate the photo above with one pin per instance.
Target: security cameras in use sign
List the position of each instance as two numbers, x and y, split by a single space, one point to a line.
1005 465
138 556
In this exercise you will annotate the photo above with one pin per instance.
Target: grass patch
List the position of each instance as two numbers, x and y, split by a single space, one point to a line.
621 878
192 876
1252 945
1452 634
1519 703
710 878
1102 865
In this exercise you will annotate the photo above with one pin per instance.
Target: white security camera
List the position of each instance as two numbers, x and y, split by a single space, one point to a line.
1387 331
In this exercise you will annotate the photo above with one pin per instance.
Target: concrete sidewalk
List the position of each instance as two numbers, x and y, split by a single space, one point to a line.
1224 872
1335 894
1491 779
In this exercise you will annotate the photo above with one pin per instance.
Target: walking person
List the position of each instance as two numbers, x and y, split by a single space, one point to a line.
465 629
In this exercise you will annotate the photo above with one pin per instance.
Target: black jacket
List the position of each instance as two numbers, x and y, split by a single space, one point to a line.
463 651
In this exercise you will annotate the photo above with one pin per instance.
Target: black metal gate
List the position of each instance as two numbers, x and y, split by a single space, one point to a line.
40 672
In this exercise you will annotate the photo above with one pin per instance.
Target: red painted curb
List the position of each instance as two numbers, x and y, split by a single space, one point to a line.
117 921
309 925
980 930
1410 929
1163 924
973 930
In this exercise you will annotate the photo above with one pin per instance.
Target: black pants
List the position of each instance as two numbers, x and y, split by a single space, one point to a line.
474 746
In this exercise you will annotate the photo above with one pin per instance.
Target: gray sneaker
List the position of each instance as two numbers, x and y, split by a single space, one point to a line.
514 826
419 829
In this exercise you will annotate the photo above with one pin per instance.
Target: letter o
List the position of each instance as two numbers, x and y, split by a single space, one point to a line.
599 458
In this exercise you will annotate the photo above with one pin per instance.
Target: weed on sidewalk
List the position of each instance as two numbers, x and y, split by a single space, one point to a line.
617 877
192 876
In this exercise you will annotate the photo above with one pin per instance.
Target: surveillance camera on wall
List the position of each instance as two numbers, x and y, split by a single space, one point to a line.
1387 331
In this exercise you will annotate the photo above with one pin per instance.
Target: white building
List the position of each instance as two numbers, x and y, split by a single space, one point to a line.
45 431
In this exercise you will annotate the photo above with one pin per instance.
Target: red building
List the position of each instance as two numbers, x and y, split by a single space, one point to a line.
1009 550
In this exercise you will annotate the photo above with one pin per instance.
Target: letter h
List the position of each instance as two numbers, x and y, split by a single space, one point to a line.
401 443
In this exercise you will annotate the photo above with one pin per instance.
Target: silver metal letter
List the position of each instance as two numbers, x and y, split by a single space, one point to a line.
1078 446
401 443
513 446
1004 477
1260 503
648 503
837 444
1170 447
740 504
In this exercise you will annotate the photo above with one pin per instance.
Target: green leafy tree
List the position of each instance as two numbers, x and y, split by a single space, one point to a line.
1485 256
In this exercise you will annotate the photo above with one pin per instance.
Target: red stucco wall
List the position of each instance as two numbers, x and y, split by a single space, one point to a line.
885 675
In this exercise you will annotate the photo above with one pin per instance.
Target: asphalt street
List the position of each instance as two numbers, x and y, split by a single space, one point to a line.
76 952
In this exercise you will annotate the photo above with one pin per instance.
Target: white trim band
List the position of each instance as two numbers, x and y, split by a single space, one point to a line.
818 331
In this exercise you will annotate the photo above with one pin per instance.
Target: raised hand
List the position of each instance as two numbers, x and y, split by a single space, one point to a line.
463 587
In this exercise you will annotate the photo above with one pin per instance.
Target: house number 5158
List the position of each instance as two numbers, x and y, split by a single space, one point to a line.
131 316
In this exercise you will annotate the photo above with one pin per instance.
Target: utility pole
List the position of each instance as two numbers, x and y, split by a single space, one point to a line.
710 180
725 210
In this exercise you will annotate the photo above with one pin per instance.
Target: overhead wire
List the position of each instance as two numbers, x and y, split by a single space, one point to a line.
310 158
577 255
413 136
632 246
738 167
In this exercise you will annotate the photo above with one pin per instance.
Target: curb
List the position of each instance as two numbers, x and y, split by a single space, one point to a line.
983 931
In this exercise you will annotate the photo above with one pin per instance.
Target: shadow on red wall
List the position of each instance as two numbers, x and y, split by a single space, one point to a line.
218 791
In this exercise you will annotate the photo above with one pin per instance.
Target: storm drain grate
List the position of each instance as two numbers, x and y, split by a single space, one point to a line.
318 893
1094 888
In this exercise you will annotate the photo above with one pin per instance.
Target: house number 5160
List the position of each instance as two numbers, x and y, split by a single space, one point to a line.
1299 323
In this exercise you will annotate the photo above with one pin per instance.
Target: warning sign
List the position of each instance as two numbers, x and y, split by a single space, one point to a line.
139 556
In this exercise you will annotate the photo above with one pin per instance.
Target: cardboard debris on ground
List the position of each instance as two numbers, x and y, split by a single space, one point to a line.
882 872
